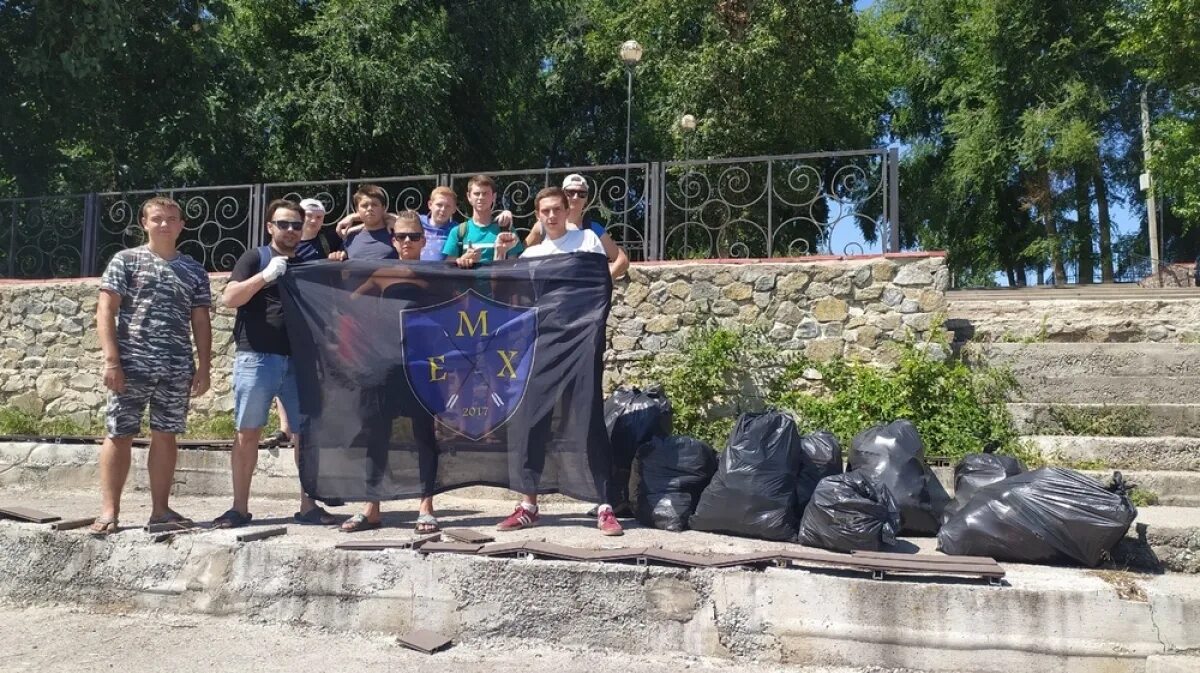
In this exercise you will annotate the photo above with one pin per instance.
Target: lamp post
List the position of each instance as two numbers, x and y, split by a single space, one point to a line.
631 54
687 124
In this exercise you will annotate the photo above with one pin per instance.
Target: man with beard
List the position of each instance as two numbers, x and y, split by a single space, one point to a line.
262 368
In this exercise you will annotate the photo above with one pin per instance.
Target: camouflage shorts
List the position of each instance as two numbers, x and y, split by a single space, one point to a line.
167 393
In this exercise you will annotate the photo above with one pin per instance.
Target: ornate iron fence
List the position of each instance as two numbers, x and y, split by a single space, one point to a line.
779 206
772 206
219 223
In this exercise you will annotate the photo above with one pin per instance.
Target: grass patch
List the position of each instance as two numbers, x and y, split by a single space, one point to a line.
1116 421
957 409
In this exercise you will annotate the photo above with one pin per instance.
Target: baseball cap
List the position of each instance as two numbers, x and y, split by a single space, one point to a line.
575 181
312 206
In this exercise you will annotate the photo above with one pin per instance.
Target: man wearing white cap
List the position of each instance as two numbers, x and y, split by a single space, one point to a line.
316 242
576 188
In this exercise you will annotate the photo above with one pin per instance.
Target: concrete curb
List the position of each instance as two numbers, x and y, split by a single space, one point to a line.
1049 619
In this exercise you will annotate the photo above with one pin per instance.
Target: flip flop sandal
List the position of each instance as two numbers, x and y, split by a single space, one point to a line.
426 524
106 527
171 516
359 523
317 516
232 519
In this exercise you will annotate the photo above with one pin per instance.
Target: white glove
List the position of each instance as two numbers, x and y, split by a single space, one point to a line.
275 268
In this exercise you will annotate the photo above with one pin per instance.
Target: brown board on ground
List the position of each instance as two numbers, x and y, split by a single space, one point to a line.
449 548
72 524
423 640
467 535
414 542
27 514
251 536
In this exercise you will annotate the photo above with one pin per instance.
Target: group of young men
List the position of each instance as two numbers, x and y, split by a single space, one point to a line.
155 301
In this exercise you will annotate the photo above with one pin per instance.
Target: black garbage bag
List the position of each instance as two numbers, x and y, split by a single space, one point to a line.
633 416
670 475
1044 516
849 512
977 470
822 458
894 455
754 491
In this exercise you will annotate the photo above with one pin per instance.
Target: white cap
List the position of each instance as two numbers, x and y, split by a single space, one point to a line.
312 206
575 181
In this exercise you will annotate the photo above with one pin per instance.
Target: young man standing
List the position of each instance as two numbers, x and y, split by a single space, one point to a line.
316 242
395 398
551 206
262 368
372 240
437 224
153 302
473 242
575 186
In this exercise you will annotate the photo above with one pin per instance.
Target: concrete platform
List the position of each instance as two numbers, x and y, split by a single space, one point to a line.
1060 619
1167 419
1171 454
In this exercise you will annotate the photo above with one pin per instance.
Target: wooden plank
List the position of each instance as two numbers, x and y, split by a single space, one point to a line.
423 640
752 559
992 570
467 535
72 524
667 557
503 549
556 551
450 548
937 558
414 542
263 534
27 514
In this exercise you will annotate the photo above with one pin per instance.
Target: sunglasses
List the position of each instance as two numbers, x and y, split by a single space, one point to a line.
577 193
294 225
408 236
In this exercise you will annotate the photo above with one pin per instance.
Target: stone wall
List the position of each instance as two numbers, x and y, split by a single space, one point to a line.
861 307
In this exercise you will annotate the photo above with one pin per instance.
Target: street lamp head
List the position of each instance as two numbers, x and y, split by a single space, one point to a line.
631 52
687 123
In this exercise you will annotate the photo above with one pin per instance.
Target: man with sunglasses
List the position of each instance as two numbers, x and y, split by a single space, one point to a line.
393 397
262 368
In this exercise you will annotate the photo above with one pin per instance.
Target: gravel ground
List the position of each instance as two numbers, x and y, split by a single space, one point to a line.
66 640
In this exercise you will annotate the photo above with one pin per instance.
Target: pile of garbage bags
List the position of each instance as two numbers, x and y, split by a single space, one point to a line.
754 491
633 417
1048 515
894 456
671 473
977 470
850 512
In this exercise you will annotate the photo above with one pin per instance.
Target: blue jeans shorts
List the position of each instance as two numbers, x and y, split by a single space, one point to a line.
259 378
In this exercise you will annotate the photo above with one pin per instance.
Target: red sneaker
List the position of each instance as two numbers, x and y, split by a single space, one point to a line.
607 522
520 518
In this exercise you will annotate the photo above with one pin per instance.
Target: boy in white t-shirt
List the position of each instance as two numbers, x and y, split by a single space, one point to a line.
551 206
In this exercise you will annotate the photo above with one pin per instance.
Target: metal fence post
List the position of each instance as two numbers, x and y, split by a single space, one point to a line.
91 233
654 211
12 242
893 173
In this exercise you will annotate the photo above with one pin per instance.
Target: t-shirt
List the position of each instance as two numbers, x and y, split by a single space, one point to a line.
154 322
575 240
377 244
259 325
477 235
435 239
319 246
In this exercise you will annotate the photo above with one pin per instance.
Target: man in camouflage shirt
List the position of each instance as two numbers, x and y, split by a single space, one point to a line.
153 300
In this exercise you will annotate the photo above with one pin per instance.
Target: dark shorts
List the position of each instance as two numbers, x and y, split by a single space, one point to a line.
166 393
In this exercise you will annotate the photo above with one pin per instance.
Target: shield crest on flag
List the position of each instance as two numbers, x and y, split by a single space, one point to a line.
468 360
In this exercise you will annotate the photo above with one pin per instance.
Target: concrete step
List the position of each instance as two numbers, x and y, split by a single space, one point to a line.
1049 418
1118 373
1045 618
1164 454
1163 539
1163 315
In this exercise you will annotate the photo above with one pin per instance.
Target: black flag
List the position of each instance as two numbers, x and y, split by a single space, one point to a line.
416 377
